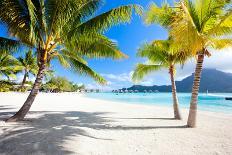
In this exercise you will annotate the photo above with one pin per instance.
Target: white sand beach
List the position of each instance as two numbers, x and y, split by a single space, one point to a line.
69 123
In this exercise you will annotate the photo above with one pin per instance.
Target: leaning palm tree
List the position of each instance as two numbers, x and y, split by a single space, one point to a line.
197 26
160 55
28 65
69 27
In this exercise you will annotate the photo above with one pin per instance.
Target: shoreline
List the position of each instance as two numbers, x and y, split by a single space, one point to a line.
73 124
83 95
165 106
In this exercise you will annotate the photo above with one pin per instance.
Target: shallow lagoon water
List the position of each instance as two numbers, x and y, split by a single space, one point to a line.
208 102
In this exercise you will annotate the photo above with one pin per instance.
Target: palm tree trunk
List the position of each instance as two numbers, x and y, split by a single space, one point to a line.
30 99
195 89
177 114
24 79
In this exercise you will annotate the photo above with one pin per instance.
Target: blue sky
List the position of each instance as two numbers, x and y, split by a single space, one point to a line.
130 37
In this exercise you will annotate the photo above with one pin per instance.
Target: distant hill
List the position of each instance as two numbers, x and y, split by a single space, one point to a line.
211 80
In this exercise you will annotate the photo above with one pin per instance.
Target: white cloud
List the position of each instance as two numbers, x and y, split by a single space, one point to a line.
125 77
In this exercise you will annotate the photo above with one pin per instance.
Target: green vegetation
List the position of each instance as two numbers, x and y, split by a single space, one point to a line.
61 84
6 86
7 65
67 30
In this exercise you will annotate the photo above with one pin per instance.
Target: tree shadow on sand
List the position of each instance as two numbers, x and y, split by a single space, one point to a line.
146 118
46 133
5 107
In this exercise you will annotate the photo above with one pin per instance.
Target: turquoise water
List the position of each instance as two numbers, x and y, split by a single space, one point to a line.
207 102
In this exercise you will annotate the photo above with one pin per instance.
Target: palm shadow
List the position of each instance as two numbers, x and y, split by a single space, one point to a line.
146 118
5 114
46 133
5 107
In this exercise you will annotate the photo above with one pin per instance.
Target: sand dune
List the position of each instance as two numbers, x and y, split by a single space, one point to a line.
70 123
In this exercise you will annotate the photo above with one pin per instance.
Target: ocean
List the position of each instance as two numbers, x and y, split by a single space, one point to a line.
214 102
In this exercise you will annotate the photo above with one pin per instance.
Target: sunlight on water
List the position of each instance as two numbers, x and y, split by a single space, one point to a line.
208 102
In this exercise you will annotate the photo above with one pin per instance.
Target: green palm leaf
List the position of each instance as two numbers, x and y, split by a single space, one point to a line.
83 69
142 70
104 21
160 54
8 44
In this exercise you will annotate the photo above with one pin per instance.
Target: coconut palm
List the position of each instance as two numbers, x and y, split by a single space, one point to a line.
205 25
160 55
196 26
68 26
28 65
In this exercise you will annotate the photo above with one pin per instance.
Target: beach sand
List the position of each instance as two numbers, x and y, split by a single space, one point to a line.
70 123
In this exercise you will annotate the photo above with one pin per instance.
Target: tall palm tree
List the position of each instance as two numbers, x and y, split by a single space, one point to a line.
67 26
28 65
160 55
205 25
196 26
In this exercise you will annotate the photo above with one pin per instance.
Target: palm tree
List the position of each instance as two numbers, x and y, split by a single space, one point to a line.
205 25
160 55
196 26
28 65
61 27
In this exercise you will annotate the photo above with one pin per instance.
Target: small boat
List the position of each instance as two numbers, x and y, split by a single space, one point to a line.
228 98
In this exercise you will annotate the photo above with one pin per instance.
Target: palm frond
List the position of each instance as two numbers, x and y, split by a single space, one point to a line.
104 21
142 70
156 52
8 44
7 64
63 61
15 14
162 15
83 69
62 14
95 46
201 22
220 43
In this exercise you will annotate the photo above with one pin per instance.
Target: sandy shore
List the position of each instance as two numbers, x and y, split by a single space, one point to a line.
73 124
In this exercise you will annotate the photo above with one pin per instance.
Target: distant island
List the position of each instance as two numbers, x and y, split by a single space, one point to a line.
212 80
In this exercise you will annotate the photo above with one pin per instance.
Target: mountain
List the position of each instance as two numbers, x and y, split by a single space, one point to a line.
212 80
